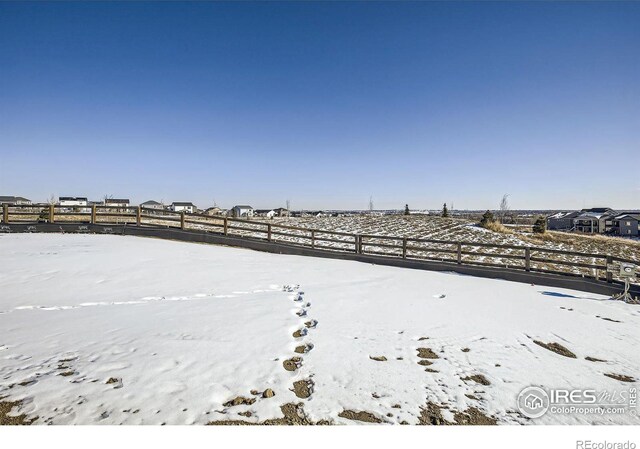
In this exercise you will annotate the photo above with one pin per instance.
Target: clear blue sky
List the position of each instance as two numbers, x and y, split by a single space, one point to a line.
324 104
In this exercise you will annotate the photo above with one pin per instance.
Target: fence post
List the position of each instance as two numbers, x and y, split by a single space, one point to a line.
459 253
313 238
268 232
5 213
182 220
93 214
51 213
609 269
358 244
138 216
226 226
527 259
404 248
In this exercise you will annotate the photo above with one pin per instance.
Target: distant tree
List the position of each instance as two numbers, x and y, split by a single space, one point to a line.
487 219
445 211
288 205
504 207
540 225
52 199
406 209
370 204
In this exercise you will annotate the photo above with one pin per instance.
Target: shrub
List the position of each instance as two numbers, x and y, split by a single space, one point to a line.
540 225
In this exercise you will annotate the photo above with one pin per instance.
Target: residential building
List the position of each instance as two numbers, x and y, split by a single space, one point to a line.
627 224
215 210
188 208
152 205
597 220
561 221
14 200
242 211
116 202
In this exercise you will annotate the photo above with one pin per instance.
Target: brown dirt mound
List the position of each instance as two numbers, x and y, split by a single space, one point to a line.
293 415
240 400
557 348
427 353
292 364
478 378
359 416
474 417
620 377
424 362
298 334
431 415
303 388
378 358
10 420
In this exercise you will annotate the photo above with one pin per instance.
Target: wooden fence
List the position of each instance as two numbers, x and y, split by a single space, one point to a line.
527 258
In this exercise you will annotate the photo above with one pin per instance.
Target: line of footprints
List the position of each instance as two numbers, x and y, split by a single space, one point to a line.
302 388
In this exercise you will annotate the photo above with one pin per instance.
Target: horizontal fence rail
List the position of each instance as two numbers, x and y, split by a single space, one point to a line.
601 267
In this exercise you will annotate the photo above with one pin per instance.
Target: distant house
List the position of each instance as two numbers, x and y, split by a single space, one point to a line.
14 200
215 210
189 208
561 221
242 211
73 204
627 224
116 202
282 212
152 205
597 220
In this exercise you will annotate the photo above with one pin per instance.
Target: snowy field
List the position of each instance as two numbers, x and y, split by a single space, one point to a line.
108 329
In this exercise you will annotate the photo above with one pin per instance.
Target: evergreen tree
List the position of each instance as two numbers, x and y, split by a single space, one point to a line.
540 226
445 211
487 218
406 209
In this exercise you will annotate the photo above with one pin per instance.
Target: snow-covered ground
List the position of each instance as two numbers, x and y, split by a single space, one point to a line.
112 329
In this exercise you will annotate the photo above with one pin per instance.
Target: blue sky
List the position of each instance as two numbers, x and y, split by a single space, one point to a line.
324 104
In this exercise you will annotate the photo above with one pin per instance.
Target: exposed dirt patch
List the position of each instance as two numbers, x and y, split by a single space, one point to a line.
466 349
359 416
557 348
112 380
423 338
66 373
12 420
431 370
240 400
593 359
303 349
378 358
248 414
478 378
474 417
311 324
303 388
268 393
424 362
299 334
609 319
470 396
427 353
620 377
431 415
293 415
292 364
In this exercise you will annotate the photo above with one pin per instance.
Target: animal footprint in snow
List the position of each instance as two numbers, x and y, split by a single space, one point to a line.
301 313
311 324
303 349
292 364
300 333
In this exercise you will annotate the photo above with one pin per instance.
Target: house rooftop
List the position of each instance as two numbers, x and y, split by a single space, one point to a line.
116 200
151 203
4 199
244 207
179 203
